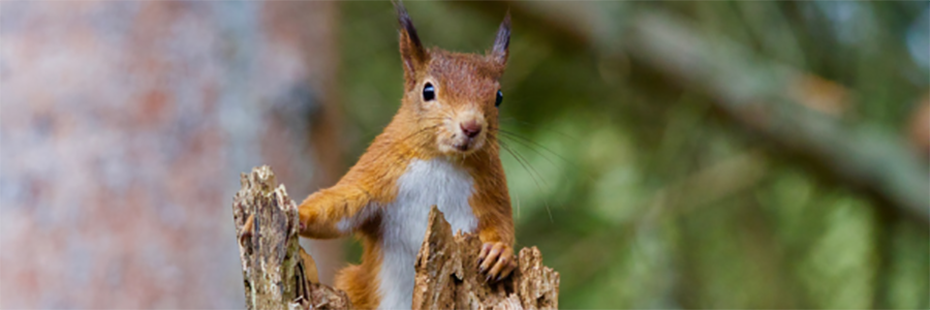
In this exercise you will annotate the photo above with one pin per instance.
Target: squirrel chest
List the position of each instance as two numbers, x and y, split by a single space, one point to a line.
403 224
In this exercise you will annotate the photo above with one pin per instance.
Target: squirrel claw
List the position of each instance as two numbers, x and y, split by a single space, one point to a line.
496 261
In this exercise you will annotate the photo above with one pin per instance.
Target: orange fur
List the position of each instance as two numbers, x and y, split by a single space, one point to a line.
466 87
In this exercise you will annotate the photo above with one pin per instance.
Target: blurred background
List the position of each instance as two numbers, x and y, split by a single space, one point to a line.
660 154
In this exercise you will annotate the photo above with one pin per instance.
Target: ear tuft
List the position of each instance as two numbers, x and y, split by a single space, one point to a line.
411 50
502 43
406 25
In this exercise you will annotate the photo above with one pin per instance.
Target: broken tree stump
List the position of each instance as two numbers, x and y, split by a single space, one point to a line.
278 274
276 271
447 275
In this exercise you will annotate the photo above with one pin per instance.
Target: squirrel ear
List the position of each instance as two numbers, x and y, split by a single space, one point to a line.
502 43
411 50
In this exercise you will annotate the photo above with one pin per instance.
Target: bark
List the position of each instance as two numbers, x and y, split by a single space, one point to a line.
278 274
447 275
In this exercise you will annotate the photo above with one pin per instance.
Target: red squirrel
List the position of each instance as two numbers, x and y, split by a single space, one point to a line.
440 149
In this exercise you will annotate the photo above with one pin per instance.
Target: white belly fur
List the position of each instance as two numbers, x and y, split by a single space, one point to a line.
424 184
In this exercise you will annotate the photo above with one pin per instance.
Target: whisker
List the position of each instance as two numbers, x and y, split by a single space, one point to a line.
530 144
399 159
527 161
530 147
515 121
421 130
525 164
528 141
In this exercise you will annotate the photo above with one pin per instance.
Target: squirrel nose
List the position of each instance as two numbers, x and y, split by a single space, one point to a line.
470 128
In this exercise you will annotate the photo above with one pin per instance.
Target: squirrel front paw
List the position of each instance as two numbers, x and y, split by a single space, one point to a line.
496 260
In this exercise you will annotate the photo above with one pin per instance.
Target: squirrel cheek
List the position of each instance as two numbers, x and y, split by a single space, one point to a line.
446 139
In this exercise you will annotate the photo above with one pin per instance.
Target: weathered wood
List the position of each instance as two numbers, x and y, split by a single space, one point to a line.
447 275
278 274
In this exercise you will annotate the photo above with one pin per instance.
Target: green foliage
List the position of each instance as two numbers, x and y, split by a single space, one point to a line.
640 193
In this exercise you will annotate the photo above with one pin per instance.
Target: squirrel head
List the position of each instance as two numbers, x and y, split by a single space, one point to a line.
454 97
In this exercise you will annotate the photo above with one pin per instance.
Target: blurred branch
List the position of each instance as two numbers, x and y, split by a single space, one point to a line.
710 185
754 93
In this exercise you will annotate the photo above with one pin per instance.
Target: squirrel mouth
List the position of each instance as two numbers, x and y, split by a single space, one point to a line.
458 145
468 145
462 147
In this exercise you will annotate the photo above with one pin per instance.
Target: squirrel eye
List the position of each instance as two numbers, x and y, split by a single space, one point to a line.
428 92
500 97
